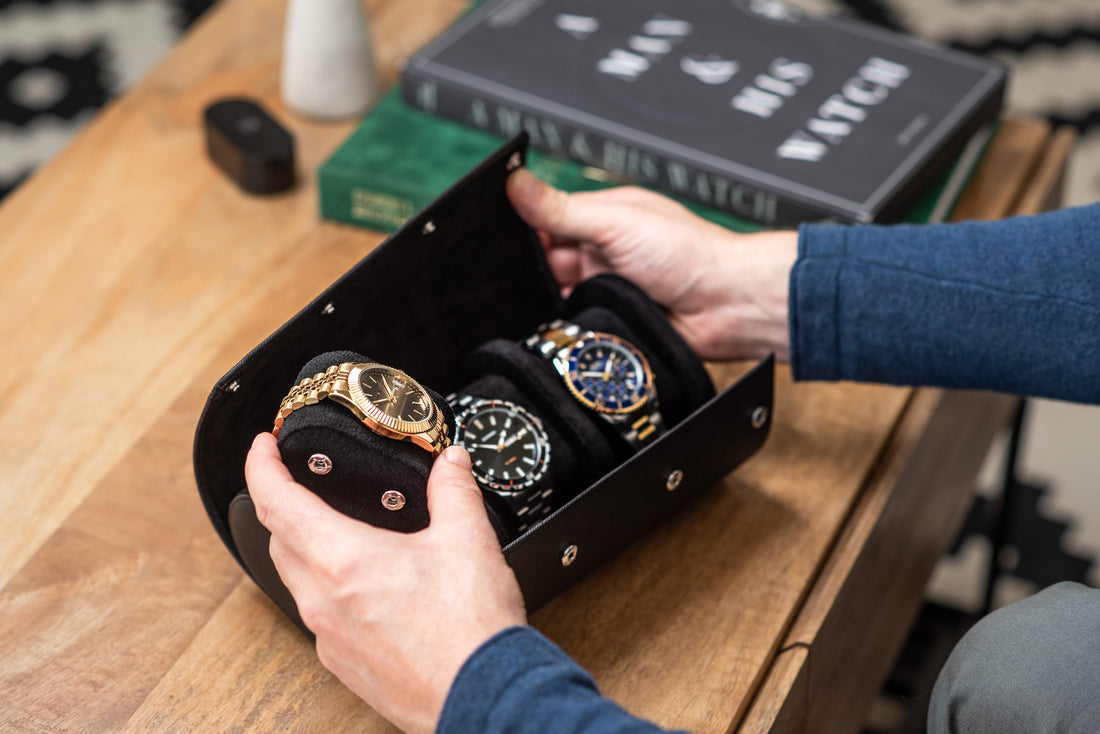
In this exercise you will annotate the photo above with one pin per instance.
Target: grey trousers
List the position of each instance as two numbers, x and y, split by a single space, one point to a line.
1032 667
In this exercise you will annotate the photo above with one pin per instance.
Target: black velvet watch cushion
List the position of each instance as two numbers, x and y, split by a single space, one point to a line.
365 464
590 452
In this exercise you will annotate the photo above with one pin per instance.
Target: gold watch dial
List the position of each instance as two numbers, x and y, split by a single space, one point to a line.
392 399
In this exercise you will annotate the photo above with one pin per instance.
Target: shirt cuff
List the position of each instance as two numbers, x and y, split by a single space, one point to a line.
814 302
519 681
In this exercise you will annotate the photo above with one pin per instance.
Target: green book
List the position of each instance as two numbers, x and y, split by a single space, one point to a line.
399 159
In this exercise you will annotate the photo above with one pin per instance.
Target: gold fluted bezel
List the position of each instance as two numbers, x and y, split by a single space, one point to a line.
383 421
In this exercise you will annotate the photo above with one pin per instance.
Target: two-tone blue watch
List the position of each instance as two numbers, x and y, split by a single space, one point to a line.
605 374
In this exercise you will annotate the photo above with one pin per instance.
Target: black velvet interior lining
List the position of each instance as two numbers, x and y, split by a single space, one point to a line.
584 445
465 270
364 464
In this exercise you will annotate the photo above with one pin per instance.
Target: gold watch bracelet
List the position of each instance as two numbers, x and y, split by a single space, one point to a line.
312 390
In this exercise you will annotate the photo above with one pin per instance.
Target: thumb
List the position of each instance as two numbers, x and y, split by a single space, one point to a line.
551 210
453 494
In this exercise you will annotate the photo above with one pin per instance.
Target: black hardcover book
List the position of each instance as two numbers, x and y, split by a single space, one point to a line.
745 105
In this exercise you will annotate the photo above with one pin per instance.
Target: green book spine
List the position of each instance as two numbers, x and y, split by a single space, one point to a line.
399 159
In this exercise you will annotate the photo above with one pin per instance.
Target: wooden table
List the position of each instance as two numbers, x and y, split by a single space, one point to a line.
136 274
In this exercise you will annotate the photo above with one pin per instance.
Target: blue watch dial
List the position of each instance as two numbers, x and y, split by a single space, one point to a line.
608 374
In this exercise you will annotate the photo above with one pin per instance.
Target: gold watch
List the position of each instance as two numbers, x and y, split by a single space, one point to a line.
384 398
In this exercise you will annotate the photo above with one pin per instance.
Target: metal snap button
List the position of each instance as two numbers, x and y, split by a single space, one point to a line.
319 464
393 500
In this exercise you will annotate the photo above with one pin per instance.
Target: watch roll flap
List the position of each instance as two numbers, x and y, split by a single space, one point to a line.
636 496
252 541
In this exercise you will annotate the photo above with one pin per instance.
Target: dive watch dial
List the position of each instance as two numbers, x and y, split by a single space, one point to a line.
607 374
508 446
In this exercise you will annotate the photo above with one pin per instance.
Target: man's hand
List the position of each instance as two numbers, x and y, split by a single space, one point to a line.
395 615
726 293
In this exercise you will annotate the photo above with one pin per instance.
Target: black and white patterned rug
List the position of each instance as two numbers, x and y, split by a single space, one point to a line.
61 60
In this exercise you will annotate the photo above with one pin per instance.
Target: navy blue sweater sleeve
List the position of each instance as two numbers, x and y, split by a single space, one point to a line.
518 681
1012 305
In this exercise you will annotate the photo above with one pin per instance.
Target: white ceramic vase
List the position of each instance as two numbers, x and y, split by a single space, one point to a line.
328 69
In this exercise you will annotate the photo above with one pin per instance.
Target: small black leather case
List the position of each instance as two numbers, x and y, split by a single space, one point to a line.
249 146
464 272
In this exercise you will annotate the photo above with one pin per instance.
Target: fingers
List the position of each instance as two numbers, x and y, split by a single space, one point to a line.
293 570
553 211
453 494
565 264
283 506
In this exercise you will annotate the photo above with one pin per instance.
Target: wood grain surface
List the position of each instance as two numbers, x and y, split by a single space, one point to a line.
138 274
131 259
